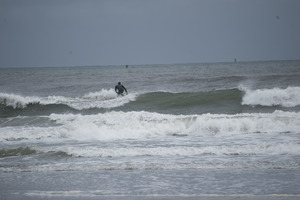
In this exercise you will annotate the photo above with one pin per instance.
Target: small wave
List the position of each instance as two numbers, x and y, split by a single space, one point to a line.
21 151
17 101
242 150
289 97
101 99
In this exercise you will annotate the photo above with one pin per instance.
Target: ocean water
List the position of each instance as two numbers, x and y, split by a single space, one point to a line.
188 131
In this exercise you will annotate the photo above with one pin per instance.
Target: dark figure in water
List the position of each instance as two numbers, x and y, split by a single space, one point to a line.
120 89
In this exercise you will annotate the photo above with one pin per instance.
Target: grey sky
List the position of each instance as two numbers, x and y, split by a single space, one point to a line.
112 32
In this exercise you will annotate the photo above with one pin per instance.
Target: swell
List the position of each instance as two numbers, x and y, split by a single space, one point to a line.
219 101
168 99
27 151
33 109
21 151
107 99
230 101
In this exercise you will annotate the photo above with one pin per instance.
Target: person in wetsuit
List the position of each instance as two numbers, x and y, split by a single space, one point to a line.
120 89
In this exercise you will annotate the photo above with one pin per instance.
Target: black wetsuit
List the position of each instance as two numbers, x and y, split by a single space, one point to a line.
120 89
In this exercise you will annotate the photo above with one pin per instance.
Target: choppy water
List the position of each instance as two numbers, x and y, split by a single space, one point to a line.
223 116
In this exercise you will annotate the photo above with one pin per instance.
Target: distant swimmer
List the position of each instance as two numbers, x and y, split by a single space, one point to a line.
120 89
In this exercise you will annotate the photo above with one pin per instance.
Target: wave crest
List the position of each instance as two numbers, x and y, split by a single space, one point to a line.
289 97
101 99
228 101
141 125
17 101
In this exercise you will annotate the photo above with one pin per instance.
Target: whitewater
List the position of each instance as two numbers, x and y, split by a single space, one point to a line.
184 131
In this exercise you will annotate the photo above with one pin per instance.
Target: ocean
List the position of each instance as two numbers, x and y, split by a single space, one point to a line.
184 131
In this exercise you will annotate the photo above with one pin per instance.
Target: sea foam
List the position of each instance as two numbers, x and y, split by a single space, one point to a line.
100 99
17 101
144 125
238 149
289 97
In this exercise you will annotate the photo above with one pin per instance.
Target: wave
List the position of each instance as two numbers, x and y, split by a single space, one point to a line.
65 151
228 101
289 97
168 99
29 151
101 99
108 98
242 150
142 125
134 125
165 102
21 151
149 140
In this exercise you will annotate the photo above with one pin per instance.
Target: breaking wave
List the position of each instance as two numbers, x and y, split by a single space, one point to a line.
289 97
142 125
115 136
228 101
101 99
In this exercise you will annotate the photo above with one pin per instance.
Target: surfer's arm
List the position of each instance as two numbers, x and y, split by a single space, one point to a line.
125 89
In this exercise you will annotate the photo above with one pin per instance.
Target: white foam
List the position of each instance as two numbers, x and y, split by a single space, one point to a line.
17 101
289 97
222 124
238 149
100 99
101 95
103 99
118 125
143 125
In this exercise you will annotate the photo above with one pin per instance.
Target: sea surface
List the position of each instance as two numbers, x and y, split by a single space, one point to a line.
184 131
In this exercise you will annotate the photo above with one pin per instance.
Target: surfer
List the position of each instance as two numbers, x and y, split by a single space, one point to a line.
120 89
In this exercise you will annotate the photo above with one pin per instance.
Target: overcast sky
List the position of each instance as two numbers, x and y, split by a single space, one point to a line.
37 33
